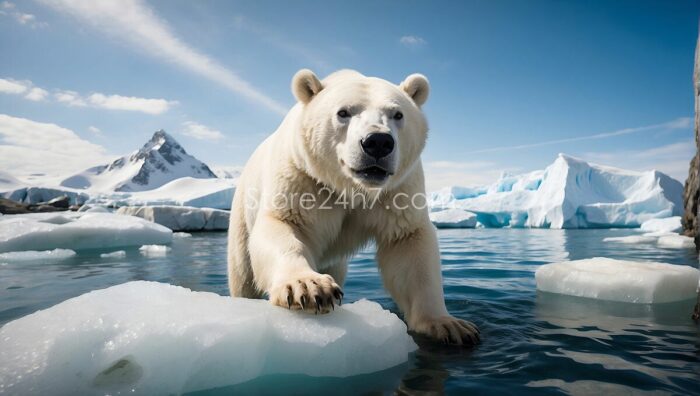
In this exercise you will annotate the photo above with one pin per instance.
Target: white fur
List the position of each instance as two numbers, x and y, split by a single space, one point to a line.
283 250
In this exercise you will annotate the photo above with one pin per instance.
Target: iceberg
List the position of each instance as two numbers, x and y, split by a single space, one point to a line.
181 218
77 231
153 338
31 255
569 193
618 280
676 241
453 218
116 254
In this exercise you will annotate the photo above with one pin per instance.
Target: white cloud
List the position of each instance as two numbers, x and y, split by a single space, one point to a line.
13 87
672 159
10 9
129 103
679 123
70 98
96 100
135 23
201 132
412 41
29 147
37 94
95 130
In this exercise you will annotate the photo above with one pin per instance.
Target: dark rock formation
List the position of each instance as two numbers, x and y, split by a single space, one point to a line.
691 195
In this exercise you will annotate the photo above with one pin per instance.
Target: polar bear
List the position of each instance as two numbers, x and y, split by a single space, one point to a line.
343 169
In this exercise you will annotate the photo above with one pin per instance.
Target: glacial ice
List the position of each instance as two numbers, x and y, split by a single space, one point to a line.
619 280
633 239
181 235
453 218
77 231
31 255
153 338
181 218
185 191
570 193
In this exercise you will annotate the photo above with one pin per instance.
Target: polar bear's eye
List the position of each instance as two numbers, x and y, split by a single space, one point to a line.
343 114
398 115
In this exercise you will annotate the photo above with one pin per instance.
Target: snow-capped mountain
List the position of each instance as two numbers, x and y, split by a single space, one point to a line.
158 162
569 193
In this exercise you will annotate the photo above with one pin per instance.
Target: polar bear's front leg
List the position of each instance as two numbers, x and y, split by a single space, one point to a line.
284 268
410 269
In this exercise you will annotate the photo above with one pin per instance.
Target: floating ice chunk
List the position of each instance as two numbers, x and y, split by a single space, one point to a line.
31 255
77 231
182 235
154 250
181 218
453 218
618 280
632 239
676 241
117 254
153 338
667 225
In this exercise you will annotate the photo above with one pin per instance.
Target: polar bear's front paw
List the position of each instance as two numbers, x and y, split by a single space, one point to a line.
449 330
312 293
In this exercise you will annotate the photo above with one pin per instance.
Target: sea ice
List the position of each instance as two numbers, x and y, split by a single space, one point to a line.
153 338
453 218
31 255
154 250
618 280
633 239
181 235
667 225
117 254
570 193
676 241
181 218
77 231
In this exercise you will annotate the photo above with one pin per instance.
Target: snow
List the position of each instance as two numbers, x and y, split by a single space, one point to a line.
186 191
569 193
618 280
77 231
116 254
32 255
181 218
667 225
453 218
159 161
153 338
154 250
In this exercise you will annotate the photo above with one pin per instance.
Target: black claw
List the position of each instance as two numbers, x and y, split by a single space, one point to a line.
332 305
289 301
302 301
318 302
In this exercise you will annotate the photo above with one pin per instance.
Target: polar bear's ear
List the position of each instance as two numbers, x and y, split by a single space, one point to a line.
305 85
417 87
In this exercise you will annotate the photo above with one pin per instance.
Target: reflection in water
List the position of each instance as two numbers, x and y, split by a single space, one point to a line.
533 343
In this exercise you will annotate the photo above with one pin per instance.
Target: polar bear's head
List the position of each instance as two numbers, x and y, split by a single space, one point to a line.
361 131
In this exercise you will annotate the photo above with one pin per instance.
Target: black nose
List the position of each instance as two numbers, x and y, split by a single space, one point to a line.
378 145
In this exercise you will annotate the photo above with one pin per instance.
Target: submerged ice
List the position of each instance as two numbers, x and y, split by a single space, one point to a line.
146 337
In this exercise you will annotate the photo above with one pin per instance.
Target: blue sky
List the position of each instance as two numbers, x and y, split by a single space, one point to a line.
513 82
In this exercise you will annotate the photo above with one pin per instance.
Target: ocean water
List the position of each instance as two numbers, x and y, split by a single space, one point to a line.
533 343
